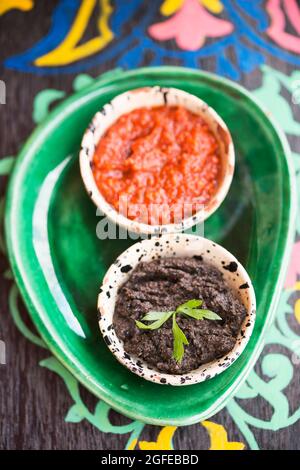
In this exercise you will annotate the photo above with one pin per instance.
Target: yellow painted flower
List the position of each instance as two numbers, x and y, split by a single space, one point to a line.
70 50
24 5
163 442
215 6
219 439
217 434
169 7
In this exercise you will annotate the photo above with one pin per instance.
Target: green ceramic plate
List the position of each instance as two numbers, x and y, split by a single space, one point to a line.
59 262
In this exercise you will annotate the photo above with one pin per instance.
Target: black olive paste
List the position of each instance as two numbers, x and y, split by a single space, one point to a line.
163 285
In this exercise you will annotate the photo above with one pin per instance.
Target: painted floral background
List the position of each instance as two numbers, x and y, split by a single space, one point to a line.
233 38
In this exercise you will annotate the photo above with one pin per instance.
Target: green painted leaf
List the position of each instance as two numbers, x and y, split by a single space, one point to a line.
81 81
6 165
74 415
42 102
8 274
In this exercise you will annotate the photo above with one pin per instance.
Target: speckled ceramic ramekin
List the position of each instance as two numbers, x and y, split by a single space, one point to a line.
167 246
152 97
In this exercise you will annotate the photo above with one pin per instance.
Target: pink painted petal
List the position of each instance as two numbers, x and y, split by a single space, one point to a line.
294 267
163 31
276 29
293 12
190 26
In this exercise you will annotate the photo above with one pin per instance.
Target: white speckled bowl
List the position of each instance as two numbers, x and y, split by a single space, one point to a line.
164 246
151 97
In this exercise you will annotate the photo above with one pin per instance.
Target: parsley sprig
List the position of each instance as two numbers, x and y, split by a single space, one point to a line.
190 309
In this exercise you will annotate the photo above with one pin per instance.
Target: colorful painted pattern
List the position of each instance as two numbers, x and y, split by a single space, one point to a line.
201 29
221 24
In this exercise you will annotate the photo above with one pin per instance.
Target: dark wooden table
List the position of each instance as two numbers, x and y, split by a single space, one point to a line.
237 43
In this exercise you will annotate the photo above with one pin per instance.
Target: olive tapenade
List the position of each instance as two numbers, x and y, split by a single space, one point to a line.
163 285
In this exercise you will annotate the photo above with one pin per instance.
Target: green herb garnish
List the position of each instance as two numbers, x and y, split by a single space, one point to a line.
189 309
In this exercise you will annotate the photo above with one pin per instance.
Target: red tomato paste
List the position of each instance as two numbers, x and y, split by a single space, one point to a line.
152 160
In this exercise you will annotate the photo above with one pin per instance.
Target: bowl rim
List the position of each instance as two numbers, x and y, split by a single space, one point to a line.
92 135
115 277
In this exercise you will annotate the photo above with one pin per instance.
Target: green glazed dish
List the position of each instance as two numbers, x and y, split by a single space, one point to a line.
59 262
